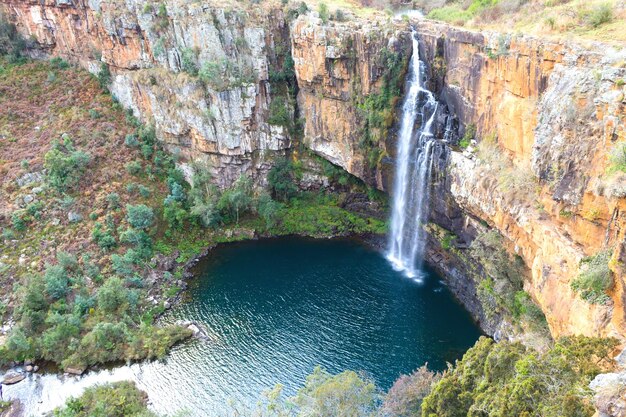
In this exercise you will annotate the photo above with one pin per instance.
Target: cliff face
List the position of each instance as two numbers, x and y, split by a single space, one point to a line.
237 86
154 55
553 113
337 67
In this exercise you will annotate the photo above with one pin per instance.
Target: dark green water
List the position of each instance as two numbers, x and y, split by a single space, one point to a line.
274 309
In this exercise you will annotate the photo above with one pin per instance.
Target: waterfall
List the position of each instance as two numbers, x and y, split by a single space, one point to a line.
413 169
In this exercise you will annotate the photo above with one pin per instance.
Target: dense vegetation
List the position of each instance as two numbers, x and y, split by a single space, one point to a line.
93 201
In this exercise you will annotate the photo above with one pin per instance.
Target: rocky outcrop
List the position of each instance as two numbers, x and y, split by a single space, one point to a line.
238 86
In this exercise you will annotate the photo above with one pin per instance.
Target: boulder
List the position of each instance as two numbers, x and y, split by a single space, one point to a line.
75 370
74 217
11 379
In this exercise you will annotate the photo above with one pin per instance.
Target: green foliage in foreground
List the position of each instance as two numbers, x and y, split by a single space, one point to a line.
492 379
507 379
118 399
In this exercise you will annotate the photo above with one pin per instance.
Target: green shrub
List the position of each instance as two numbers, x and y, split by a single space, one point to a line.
344 394
12 44
147 151
133 167
104 239
174 214
34 209
302 8
177 191
62 336
147 134
139 216
447 240
322 9
59 63
279 112
131 141
595 279
113 201
140 240
104 76
144 191
18 345
65 165
204 197
600 14
188 61
57 281
18 220
470 133
112 296
449 14
617 158
104 343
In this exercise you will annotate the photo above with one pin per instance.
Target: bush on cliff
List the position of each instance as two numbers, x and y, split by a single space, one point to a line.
595 278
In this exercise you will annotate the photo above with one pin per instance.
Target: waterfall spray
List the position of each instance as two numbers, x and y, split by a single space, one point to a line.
413 169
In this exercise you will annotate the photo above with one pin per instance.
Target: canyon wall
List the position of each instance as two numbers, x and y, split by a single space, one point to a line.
549 115
237 85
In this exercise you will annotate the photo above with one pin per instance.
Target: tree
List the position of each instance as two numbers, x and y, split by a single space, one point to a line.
343 395
508 379
117 399
281 180
237 199
204 196
62 336
269 210
139 216
405 397
112 296
56 281
175 214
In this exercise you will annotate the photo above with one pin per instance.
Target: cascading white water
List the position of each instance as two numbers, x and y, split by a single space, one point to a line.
413 168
